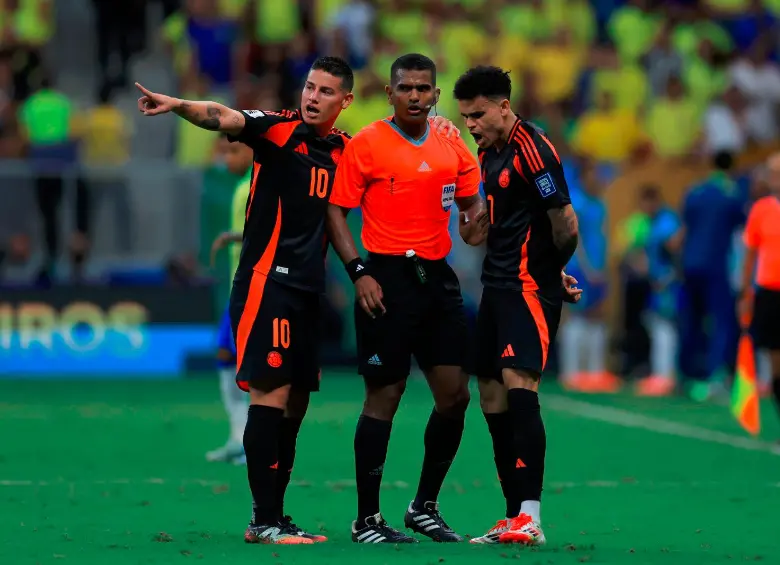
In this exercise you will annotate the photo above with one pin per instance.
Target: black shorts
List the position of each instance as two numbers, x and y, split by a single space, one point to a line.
277 335
765 327
514 331
426 320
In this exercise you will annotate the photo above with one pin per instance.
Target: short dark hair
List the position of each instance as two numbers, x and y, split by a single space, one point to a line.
723 160
337 67
483 80
412 62
649 192
105 93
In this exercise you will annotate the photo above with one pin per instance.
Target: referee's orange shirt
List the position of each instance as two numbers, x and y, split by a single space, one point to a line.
762 233
405 187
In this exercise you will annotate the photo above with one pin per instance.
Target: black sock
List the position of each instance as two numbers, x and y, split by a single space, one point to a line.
776 390
288 437
503 454
261 444
530 442
442 439
372 437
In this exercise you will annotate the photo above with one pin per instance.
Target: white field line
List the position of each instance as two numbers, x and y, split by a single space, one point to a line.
628 419
350 483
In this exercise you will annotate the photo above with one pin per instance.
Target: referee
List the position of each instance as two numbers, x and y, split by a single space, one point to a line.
762 258
406 179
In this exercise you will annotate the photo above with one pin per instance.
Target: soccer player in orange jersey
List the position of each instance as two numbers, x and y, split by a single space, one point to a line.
532 235
406 178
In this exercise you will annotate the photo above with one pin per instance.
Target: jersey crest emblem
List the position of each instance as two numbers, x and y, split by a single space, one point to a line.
447 196
274 359
336 155
546 185
503 178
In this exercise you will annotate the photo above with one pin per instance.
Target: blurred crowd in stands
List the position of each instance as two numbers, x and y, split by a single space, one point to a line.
620 86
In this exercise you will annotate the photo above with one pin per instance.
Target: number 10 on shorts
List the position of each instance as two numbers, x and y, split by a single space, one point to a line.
281 333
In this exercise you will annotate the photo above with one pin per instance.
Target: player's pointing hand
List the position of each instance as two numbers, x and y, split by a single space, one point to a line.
369 295
152 103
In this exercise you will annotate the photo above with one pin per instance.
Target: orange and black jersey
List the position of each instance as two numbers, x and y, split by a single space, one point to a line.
522 182
292 176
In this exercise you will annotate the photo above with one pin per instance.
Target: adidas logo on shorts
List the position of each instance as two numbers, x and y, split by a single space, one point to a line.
375 360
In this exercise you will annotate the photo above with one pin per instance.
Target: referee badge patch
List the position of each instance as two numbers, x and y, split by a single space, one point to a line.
546 185
447 196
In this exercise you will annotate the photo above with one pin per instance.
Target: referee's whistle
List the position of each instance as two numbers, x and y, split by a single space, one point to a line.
418 266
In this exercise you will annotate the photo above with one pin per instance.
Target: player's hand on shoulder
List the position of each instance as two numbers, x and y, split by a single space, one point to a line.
153 103
571 293
369 295
445 127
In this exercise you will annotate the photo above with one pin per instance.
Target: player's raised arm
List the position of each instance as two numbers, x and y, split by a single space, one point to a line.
207 115
538 161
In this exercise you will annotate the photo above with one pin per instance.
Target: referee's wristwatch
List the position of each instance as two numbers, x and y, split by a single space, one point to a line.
356 269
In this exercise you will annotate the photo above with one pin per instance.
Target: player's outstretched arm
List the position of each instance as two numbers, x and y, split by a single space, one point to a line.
207 115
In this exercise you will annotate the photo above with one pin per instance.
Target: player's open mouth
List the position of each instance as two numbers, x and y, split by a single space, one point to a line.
477 137
414 110
312 110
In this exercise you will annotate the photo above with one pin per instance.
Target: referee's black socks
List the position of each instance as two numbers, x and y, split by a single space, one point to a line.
530 442
261 445
372 437
500 427
288 439
442 439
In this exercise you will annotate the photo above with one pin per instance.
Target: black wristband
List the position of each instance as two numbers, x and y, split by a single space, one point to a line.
356 269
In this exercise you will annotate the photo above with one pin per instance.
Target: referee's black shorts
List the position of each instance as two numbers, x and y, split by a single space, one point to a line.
765 326
424 319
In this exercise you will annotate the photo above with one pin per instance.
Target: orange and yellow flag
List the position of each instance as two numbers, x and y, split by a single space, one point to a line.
744 392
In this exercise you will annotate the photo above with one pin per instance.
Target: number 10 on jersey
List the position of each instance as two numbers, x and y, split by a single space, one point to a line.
318 185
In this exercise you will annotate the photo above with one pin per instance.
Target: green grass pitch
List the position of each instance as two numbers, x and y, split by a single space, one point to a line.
113 473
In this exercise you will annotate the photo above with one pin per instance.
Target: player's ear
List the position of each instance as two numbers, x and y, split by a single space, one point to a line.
506 107
436 98
347 101
389 92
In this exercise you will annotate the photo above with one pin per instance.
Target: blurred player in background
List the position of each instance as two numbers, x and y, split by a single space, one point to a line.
712 212
533 234
238 159
762 260
662 248
583 344
406 179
